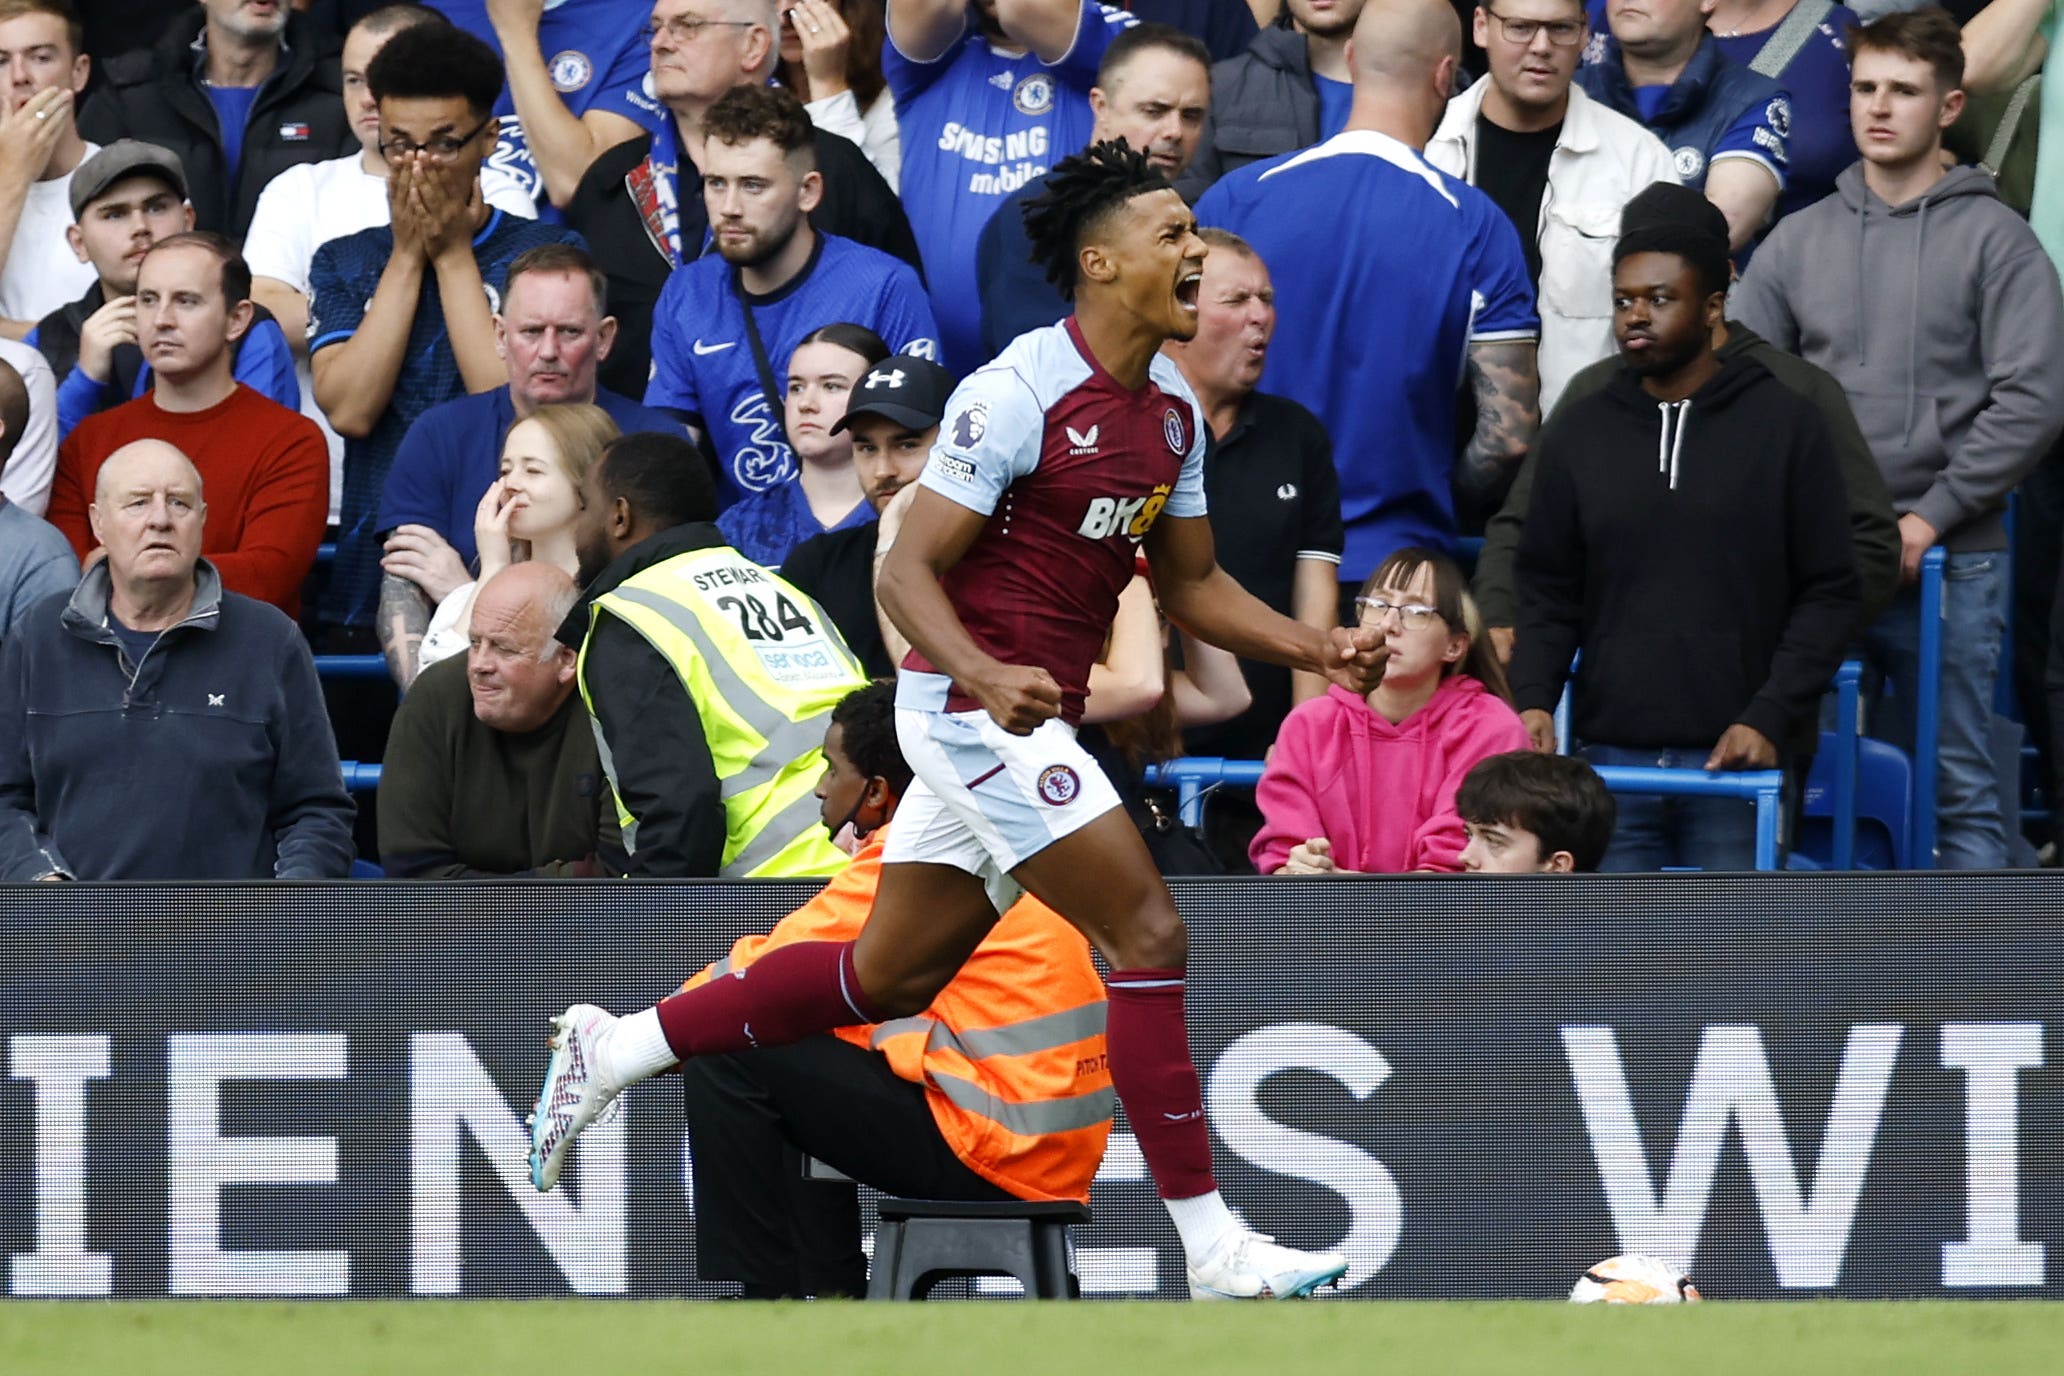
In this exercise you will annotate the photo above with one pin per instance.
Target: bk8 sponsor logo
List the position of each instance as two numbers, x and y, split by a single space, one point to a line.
1131 517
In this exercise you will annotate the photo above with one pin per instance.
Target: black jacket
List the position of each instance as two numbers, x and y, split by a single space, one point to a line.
1697 553
156 95
1262 103
857 205
651 728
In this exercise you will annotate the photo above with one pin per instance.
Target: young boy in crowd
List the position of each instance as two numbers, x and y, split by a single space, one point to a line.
1529 813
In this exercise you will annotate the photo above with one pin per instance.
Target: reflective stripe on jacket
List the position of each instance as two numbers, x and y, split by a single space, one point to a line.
1011 1054
764 667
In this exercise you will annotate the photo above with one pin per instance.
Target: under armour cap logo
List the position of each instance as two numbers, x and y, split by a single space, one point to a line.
1288 491
892 378
215 699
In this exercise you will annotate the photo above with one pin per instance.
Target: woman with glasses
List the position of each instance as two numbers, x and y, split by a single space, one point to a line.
1366 783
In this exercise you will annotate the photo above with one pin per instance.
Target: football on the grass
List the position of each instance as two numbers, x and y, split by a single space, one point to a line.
1634 1279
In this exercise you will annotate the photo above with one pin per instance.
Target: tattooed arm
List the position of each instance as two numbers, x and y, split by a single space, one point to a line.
1507 384
404 619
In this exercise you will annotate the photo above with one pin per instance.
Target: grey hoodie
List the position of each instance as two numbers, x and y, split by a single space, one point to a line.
1942 320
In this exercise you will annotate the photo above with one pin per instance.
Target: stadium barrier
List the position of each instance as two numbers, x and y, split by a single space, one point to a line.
1194 776
1801 1085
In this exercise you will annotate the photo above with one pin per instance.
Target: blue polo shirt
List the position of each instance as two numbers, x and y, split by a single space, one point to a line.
452 453
597 53
977 125
342 280
1386 270
766 526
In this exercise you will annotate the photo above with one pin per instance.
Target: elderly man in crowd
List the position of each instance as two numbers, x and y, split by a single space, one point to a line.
156 726
491 769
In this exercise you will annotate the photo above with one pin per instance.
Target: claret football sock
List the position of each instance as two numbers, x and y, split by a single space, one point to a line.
1157 1081
789 993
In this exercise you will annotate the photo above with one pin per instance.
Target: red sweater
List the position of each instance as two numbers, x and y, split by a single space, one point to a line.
265 475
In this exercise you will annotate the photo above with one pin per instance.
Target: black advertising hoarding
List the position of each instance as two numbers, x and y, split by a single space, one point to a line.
1794 1085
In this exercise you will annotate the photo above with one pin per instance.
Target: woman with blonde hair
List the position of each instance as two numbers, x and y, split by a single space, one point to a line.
528 511
1366 784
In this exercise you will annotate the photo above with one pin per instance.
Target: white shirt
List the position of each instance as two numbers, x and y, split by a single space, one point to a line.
1602 160
304 208
42 272
876 131
26 479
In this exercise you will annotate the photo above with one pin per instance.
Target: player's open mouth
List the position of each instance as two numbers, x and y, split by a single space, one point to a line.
1186 288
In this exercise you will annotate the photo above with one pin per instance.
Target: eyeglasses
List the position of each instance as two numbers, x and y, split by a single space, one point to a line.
441 149
1414 616
687 30
1563 33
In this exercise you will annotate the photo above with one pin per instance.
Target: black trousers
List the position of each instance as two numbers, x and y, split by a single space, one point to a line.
2038 562
753 1115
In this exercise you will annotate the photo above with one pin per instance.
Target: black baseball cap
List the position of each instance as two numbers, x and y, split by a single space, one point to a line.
124 158
908 390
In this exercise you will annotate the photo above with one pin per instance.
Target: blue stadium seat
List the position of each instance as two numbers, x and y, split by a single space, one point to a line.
1883 809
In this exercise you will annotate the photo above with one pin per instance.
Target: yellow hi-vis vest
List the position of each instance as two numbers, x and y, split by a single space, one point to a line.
764 666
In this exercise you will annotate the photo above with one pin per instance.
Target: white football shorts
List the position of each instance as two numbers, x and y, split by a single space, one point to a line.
983 800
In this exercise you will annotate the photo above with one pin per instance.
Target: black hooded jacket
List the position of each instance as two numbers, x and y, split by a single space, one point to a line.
1698 553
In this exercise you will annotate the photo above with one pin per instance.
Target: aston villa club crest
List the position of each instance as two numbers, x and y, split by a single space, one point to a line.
1172 430
1058 784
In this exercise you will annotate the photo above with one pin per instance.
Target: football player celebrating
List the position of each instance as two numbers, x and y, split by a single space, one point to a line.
1054 465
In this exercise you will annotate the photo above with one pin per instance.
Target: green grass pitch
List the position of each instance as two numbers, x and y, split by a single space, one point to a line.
605 1338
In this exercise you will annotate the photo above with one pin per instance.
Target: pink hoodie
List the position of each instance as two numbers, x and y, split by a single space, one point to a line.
1383 795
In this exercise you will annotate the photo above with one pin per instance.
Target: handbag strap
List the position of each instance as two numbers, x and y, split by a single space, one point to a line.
770 390
1782 46
2010 123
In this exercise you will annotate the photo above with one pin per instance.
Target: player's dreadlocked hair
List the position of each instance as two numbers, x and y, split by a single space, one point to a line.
866 719
1081 192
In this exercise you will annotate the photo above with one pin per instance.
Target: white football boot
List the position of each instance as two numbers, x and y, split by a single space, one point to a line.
577 1092
1250 1266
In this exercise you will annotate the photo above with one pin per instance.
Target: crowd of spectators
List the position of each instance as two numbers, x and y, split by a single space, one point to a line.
601 343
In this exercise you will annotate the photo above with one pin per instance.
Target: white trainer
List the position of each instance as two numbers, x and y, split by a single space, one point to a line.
576 1094
1250 1266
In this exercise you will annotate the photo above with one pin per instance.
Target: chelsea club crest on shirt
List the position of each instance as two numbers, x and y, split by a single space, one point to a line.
571 70
1035 94
1689 162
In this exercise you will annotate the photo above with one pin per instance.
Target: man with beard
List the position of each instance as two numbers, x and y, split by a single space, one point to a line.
725 326
1153 91
711 681
1688 533
1289 90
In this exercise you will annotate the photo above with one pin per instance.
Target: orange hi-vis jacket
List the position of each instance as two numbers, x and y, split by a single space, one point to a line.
1011 1054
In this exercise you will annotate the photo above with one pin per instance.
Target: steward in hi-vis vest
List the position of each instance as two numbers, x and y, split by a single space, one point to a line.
1010 1055
710 682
